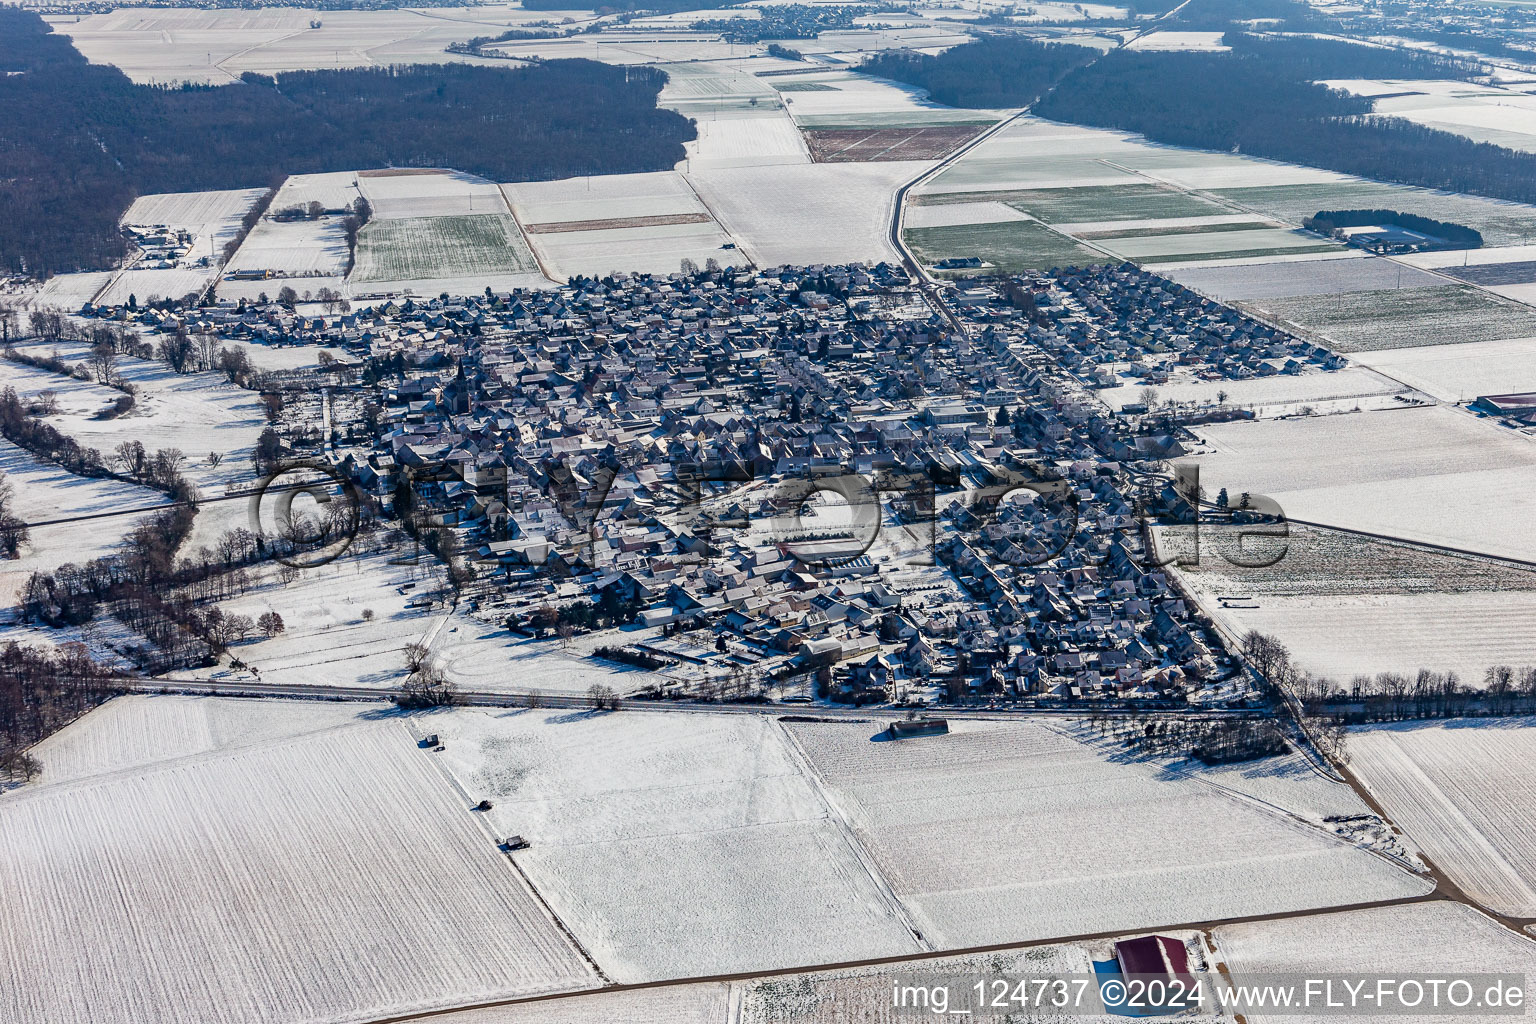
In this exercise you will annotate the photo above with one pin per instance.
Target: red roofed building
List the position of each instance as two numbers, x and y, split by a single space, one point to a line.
1153 955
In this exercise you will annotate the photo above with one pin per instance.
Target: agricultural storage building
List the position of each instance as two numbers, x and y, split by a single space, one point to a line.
918 727
1156 955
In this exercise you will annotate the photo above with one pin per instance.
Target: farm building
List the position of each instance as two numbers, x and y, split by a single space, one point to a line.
1520 407
918 727
1156 955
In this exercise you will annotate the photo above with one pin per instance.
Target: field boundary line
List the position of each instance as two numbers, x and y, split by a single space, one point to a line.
850 835
906 958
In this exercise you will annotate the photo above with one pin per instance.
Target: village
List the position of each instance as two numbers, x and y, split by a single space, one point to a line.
803 482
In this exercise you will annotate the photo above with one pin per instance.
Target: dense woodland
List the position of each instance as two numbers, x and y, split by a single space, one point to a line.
80 140
994 71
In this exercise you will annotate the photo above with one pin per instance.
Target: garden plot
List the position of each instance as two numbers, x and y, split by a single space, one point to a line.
1403 317
43 492
351 882
1501 223
1302 277
139 730
1430 474
410 194
745 867
1280 395
1022 245
1438 939
1459 373
811 213
1463 790
472 248
293 249
1342 637
994 832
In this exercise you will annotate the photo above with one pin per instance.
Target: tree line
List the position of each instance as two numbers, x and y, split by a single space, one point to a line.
80 140
42 690
1459 235
994 71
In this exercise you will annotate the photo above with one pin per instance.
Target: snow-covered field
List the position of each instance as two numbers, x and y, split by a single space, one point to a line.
335 877
150 285
1439 939
197 413
472 247
329 640
1430 474
997 831
1459 373
428 193
704 1003
647 223
202 213
1203 41
1175 247
1341 636
675 845
1463 789
217 46
138 730
1407 317
1302 277
811 213
298 249
946 215
601 197
758 138
335 190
